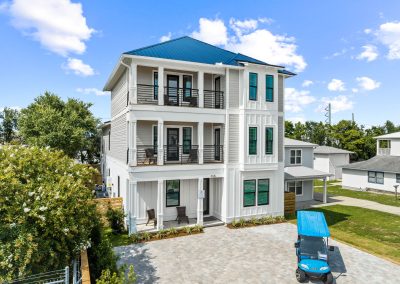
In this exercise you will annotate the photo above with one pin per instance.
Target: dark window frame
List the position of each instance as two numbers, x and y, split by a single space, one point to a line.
267 191
119 186
187 92
253 87
155 138
398 178
374 179
251 141
186 148
166 193
269 141
295 187
155 86
250 193
296 157
269 88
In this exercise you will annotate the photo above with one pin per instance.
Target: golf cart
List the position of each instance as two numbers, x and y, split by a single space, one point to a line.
312 247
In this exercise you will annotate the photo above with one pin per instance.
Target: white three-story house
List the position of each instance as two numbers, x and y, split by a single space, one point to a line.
198 126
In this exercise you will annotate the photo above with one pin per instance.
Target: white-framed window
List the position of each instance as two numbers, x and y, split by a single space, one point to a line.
376 177
295 186
295 157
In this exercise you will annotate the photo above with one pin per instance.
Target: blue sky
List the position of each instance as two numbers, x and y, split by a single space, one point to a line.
345 52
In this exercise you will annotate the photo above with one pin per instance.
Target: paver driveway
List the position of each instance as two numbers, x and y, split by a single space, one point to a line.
262 254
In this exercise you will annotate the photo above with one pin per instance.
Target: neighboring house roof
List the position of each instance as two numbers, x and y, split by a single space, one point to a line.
105 124
389 164
302 172
297 143
330 150
189 49
388 136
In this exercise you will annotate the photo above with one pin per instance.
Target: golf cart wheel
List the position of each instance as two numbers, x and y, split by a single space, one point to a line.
328 278
300 275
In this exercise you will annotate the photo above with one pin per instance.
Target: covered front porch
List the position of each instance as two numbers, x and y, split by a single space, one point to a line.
167 203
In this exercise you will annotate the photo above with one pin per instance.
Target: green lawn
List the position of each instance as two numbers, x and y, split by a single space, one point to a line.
373 231
117 240
387 199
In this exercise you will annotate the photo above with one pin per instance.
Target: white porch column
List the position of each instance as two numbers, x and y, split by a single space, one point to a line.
200 86
200 196
132 143
200 138
160 205
325 191
160 143
132 208
133 85
160 86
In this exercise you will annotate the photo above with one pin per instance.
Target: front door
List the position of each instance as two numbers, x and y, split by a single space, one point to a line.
217 82
172 144
217 144
172 90
206 199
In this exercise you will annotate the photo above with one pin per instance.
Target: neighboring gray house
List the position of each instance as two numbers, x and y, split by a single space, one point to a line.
381 172
330 159
299 170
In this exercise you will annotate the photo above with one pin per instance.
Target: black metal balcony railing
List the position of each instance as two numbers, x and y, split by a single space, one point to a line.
181 154
213 154
213 99
147 94
146 155
181 97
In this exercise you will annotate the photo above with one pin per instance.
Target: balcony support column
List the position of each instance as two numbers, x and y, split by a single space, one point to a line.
132 143
160 205
132 206
160 86
200 137
200 197
133 84
200 83
160 143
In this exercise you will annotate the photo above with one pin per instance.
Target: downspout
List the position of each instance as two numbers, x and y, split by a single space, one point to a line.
127 77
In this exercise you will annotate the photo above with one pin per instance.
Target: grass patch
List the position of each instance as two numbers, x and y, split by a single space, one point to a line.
387 199
373 231
267 220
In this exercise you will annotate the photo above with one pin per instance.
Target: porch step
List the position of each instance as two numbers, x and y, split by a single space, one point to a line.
213 224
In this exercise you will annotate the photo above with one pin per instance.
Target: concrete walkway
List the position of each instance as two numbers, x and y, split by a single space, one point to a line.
349 201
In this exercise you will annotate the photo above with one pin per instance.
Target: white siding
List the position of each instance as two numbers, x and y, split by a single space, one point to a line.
119 95
119 145
280 94
233 138
233 89
358 179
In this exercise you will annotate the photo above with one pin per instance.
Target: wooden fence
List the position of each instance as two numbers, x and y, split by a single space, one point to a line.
102 205
290 203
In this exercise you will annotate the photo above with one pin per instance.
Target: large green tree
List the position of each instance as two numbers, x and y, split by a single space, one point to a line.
8 125
46 213
69 126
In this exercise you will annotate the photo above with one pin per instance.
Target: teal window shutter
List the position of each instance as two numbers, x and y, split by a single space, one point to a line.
269 140
263 192
187 140
249 193
253 80
269 88
253 141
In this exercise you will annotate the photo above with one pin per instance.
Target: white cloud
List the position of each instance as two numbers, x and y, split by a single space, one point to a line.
18 108
95 91
389 35
295 100
307 83
367 84
166 37
246 37
370 53
336 85
211 31
296 119
266 20
367 31
59 25
339 103
78 67
354 90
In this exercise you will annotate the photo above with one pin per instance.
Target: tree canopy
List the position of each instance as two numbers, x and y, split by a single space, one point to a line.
45 210
69 126
8 125
345 134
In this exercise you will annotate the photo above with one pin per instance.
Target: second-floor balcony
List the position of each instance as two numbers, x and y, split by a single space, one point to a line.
186 97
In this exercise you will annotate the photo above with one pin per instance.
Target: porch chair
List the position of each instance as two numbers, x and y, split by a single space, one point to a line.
193 156
193 102
150 159
151 216
182 214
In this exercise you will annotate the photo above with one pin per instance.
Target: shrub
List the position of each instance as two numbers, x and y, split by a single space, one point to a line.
146 236
188 230
198 229
108 277
242 222
116 219
172 231
234 223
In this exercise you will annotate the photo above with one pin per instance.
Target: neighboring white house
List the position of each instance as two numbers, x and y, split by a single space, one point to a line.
197 126
381 172
330 160
299 170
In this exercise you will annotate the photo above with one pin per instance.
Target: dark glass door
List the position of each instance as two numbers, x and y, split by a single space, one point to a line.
187 88
172 90
172 144
217 144
217 83
206 199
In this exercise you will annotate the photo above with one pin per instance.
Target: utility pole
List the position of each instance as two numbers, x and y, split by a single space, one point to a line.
328 114
352 117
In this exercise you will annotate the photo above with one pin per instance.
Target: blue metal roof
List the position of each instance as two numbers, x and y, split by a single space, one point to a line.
312 224
193 50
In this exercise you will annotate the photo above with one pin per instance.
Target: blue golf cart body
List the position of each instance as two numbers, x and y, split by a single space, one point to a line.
312 247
